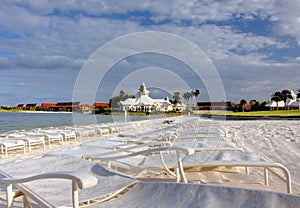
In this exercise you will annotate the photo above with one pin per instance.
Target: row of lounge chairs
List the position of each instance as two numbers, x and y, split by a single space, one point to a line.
111 170
26 140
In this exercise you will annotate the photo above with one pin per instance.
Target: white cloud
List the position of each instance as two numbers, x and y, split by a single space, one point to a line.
35 61
288 17
5 63
222 42
64 40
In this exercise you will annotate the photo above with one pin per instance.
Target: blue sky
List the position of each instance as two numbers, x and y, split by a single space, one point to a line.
254 45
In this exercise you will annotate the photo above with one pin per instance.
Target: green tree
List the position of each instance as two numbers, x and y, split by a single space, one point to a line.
123 95
114 101
254 104
177 97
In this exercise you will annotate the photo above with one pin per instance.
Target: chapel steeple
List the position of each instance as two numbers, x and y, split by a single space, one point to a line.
143 90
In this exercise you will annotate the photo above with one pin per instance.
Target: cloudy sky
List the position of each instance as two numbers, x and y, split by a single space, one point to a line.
254 45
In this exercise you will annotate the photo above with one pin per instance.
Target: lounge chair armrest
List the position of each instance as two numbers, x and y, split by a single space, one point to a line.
186 151
83 179
79 180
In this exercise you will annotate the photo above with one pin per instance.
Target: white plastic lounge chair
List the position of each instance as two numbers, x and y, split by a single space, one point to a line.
160 194
146 131
30 140
154 194
80 180
208 145
57 192
150 159
11 144
82 132
215 159
135 160
68 134
102 130
52 136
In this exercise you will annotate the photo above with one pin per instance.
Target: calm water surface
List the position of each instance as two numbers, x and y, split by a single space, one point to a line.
27 121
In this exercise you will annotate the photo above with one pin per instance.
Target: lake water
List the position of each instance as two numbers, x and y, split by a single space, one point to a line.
27 121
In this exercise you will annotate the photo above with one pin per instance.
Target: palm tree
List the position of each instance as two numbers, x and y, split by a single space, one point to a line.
192 95
243 103
196 94
276 97
285 94
187 96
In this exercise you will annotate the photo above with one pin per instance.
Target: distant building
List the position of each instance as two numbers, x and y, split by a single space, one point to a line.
144 103
98 105
63 106
31 106
21 106
71 106
48 105
213 105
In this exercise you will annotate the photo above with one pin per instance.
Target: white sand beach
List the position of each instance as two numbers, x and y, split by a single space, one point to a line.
279 140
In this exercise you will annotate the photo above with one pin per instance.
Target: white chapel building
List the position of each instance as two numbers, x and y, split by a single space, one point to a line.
144 103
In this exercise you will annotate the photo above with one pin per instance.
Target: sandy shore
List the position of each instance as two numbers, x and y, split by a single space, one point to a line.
278 140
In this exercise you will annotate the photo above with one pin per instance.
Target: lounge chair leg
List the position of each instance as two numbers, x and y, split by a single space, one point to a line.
166 167
26 203
9 196
108 164
29 146
246 170
266 175
75 197
177 175
180 166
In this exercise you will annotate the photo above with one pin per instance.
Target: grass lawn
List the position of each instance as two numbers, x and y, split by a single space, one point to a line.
277 113
13 110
